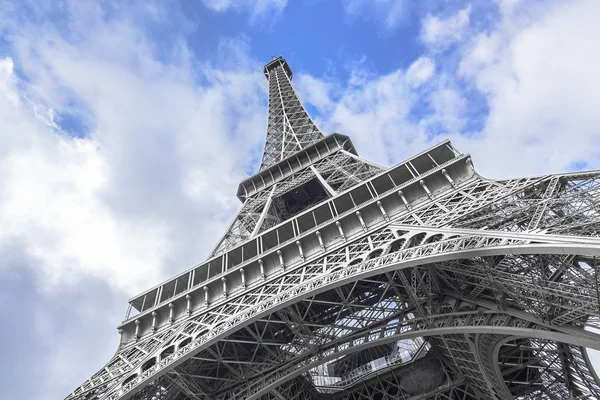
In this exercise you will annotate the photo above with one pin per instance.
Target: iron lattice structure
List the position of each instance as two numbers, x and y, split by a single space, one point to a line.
342 279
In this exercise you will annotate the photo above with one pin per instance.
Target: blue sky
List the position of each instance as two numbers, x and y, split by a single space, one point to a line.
125 128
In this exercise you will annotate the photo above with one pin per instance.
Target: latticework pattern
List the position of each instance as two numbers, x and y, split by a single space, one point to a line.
340 279
289 128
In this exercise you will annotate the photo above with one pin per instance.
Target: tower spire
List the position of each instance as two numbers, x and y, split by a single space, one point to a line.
290 128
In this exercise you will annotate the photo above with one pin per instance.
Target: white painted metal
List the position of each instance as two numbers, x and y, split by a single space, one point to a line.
342 279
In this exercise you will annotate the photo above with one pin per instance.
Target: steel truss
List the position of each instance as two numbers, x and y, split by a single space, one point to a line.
423 280
289 128
260 212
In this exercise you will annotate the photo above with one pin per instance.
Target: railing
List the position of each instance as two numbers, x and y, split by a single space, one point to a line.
374 197
209 335
330 384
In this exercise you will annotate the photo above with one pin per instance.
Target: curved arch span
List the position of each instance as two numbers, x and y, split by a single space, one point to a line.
296 370
385 263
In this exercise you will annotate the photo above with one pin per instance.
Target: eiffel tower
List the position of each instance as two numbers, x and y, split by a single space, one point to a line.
343 279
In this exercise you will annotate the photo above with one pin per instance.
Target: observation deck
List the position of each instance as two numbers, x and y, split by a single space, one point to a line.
279 61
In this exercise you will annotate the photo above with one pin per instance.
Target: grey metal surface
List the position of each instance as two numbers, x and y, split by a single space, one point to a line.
342 279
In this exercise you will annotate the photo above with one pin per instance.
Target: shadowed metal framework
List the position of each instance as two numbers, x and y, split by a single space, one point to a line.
342 279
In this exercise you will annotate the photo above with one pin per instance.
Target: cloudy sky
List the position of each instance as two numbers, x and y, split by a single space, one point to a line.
126 127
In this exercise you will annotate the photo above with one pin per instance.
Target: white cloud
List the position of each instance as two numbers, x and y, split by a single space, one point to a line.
256 7
90 206
535 71
541 82
376 112
7 80
439 32
388 13
52 202
145 192
314 91
420 71
449 107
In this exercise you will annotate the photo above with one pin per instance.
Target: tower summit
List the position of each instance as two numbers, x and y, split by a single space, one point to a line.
290 128
342 279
